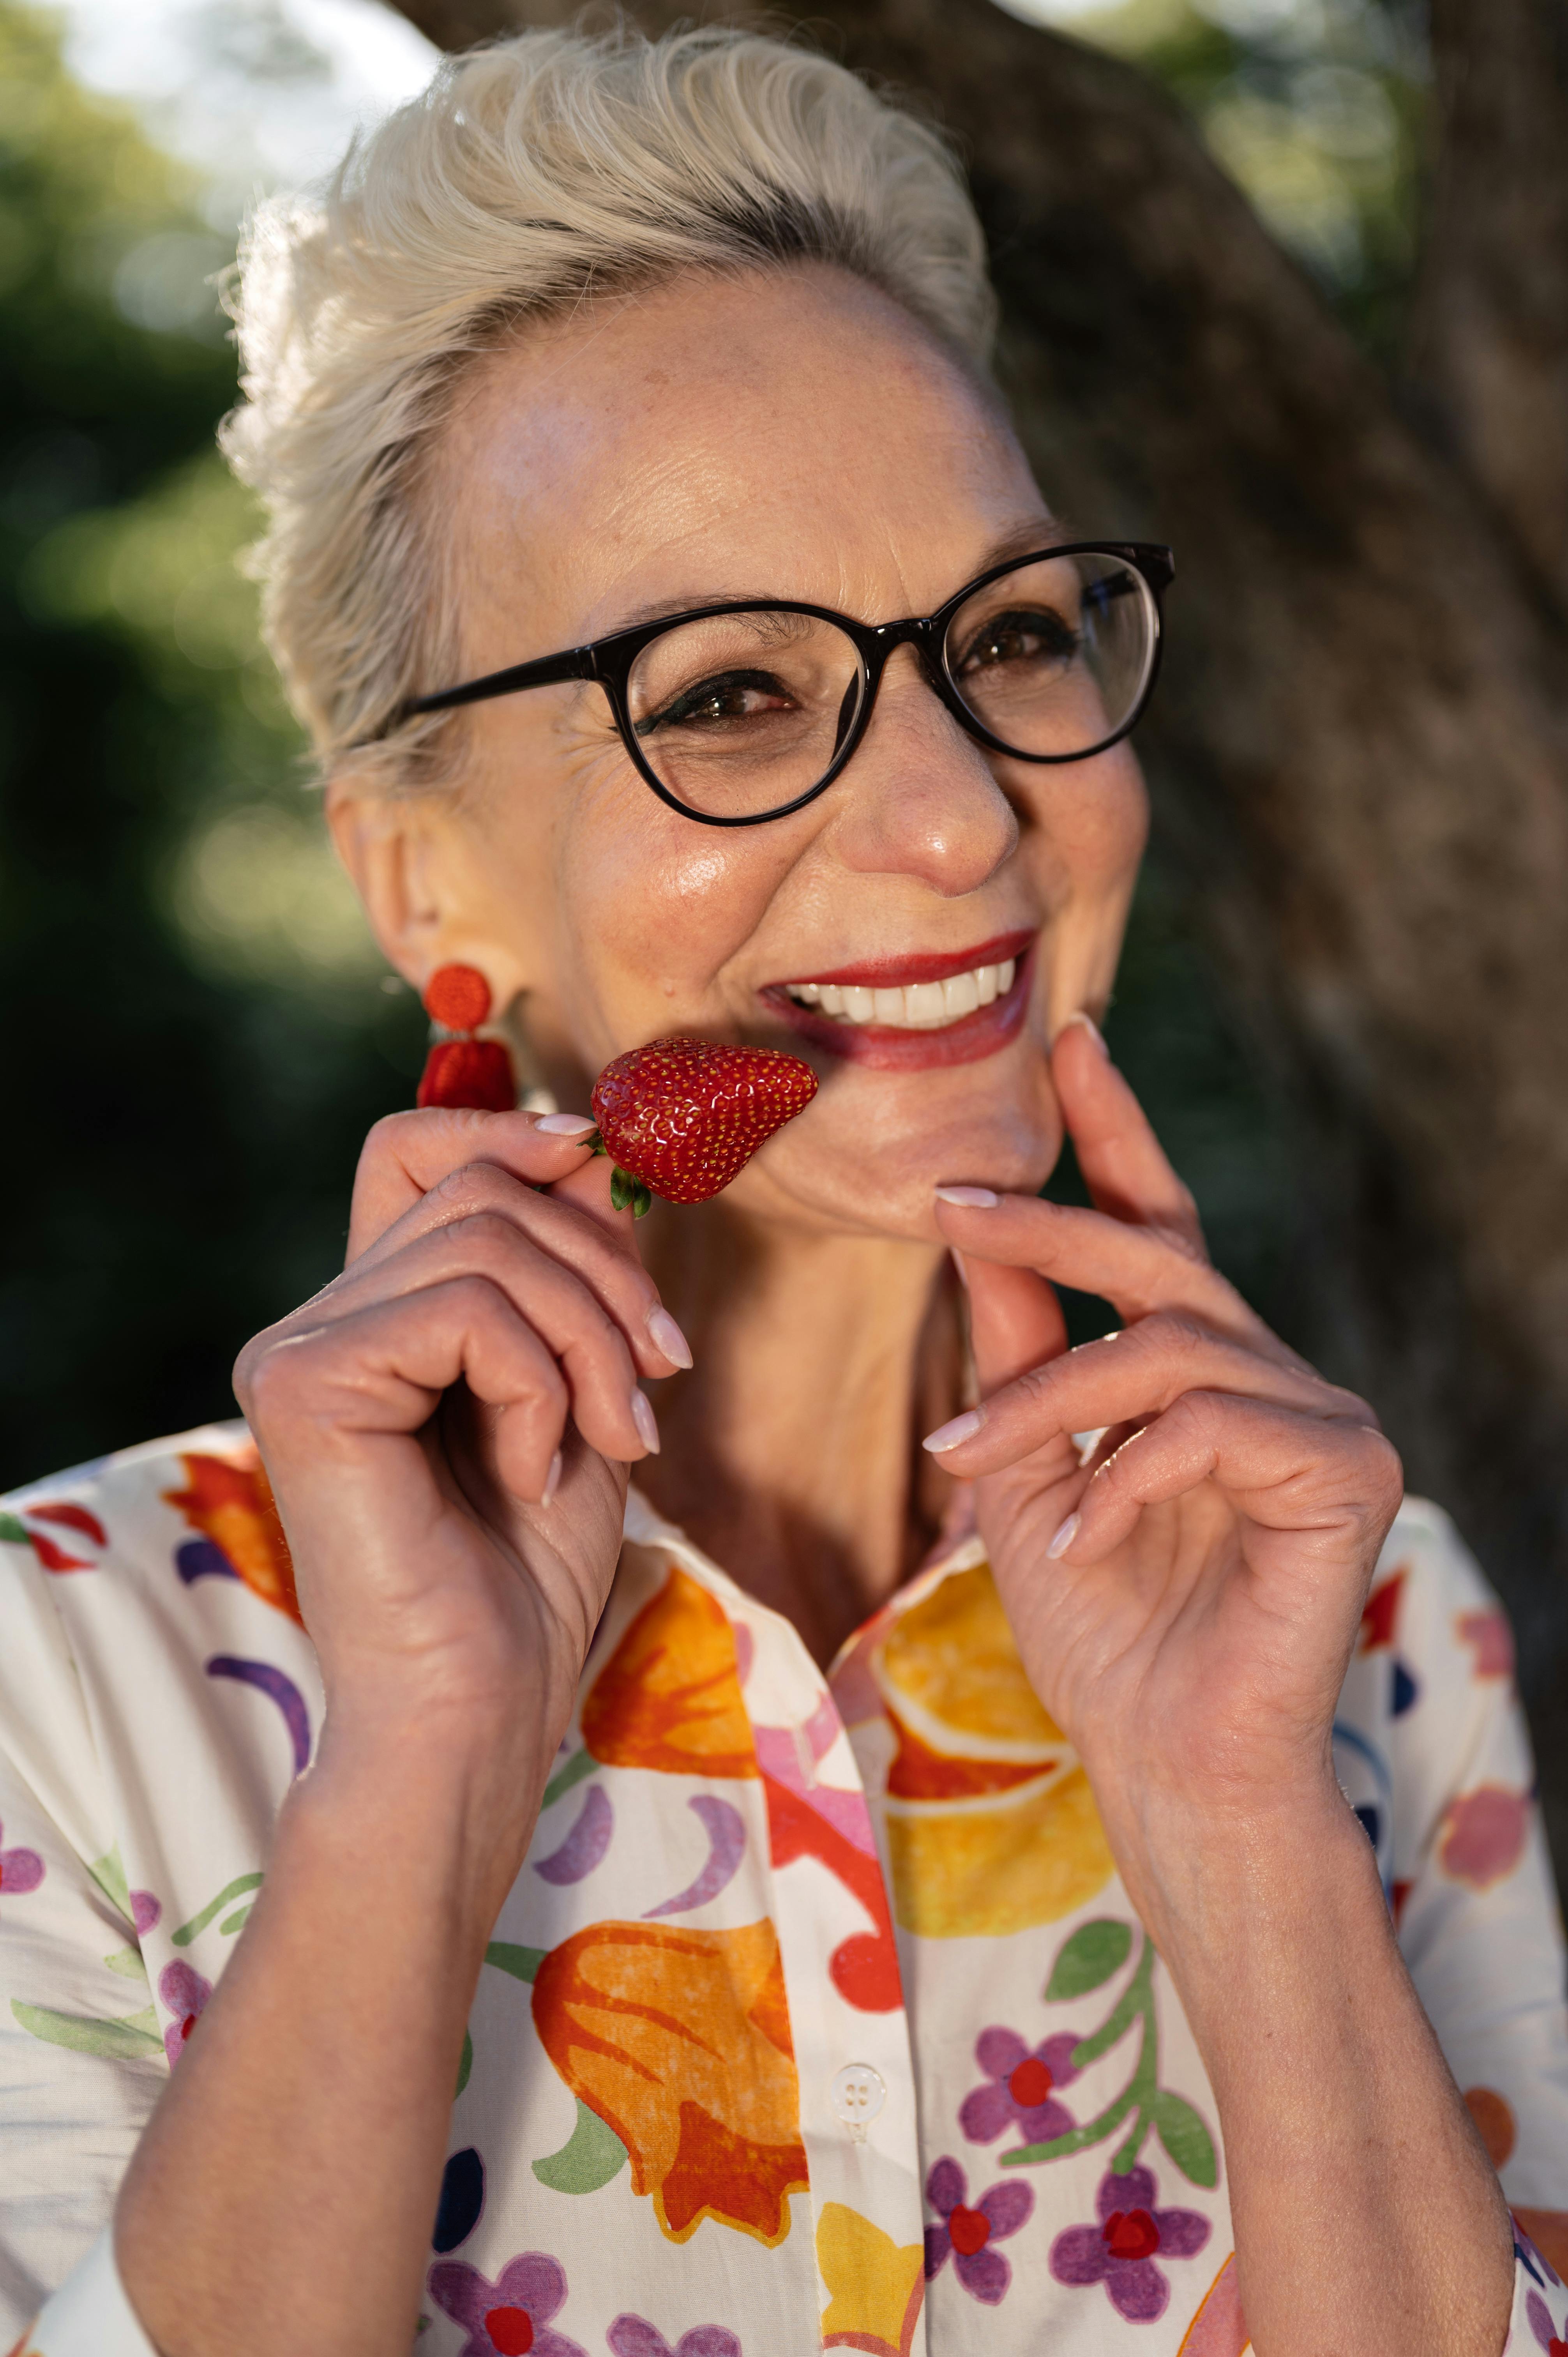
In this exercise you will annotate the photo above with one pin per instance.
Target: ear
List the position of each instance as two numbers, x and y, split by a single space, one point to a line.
412 865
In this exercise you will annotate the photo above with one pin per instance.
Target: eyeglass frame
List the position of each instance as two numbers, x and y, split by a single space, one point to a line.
609 662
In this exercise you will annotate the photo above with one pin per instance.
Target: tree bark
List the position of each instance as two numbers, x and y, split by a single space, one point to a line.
1359 747
1489 340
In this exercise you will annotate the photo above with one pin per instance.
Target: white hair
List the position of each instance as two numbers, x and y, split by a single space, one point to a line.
530 175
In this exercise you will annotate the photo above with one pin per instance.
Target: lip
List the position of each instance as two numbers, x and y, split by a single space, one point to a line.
884 1048
888 974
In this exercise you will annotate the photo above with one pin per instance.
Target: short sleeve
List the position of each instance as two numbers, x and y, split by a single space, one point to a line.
82 2058
1471 1878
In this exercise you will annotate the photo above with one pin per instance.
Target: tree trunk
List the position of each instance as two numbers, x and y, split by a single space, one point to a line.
1359 747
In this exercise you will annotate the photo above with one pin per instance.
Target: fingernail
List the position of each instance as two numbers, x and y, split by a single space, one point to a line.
566 1125
971 1199
666 1336
647 1427
957 1259
551 1480
949 1435
1064 1538
1091 1025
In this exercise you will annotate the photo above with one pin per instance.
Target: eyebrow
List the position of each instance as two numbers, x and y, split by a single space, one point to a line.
1022 540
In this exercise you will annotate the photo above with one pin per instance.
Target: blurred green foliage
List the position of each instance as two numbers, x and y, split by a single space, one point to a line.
196 1034
198 1027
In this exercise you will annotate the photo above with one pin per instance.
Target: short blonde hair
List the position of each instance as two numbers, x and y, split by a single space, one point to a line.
528 176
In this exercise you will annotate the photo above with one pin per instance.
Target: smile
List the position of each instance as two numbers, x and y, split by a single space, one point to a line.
917 1011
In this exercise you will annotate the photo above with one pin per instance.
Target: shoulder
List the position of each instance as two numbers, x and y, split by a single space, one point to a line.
152 1626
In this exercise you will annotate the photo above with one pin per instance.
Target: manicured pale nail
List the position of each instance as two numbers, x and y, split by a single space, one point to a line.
551 1480
969 1198
566 1125
666 1336
957 1259
1064 1538
1089 1024
647 1427
949 1435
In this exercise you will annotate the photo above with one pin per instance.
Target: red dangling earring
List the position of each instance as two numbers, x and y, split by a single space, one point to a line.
466 1072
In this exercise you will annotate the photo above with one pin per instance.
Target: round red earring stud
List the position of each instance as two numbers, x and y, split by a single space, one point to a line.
464 1071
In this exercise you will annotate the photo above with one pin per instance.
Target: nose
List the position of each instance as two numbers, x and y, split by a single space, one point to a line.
919 798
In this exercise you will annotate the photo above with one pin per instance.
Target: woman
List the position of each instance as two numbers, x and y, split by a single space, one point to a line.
1035 1985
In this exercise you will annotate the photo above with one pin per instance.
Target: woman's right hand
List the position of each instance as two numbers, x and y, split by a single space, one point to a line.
493 1312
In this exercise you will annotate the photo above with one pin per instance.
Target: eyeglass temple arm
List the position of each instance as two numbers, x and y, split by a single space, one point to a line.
548 671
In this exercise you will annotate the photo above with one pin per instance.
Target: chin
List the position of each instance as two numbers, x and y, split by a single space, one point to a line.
867 1156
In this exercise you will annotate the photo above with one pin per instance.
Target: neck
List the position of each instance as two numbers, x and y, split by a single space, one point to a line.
791 1450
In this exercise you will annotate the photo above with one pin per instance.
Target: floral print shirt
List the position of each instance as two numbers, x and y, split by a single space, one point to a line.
817 2016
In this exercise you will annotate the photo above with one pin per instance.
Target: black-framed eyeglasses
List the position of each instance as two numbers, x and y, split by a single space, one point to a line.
738 713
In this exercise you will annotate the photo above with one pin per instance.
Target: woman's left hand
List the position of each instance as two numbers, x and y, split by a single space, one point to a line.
1185 1601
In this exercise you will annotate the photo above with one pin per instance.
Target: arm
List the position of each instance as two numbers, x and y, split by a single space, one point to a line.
1185 1606
282 2197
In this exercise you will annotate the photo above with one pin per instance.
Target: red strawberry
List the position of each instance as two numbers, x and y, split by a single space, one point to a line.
682 1117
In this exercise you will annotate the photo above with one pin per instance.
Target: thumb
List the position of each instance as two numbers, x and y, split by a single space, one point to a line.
1015 1321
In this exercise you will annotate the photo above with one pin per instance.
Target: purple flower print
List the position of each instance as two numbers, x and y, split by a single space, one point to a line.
968 2235
1018 2092
1120 2252
146 1911
633 2336
20 1870
185 1993
509 2318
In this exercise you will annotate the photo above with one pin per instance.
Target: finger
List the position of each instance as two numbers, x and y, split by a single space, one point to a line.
594 1248
608 1407
382 1371
1123 1379
1138 1270
1284 1471
1015 1322
1123 1164
408 1152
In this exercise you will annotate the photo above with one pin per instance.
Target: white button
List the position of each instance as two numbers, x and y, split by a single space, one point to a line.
858 2094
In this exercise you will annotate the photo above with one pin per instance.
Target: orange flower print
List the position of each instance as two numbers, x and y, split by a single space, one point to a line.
1380 1619
680 2041
230 1500
669 1698
1483 1836
1491 1641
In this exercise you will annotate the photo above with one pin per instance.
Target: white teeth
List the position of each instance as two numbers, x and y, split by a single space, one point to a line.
918 1005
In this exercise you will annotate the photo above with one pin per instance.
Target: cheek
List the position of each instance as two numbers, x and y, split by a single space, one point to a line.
1085 826
651 910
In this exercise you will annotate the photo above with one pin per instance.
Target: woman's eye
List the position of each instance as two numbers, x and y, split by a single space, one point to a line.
733 696
1027 635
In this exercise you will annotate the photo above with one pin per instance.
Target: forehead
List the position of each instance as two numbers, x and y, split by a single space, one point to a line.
794 433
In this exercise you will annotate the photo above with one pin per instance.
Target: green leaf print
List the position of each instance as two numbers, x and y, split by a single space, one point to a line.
127 1962
523 1964
465 2068
121 2041
1088 1960
110 1876
581 1764
1186 2138
591 2156
10 1528
230 1890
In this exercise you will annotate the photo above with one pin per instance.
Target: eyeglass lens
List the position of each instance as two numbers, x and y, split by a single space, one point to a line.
739 714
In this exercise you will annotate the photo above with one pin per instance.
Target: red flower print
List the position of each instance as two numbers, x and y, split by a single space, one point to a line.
966 2235
185 1993
1491 1641
1483 1836
1018 2092
1120 2252
509 2318
20 1870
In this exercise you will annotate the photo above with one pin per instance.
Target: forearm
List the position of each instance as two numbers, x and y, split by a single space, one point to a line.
284 2194
1367 2218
